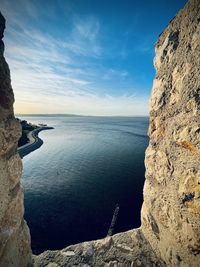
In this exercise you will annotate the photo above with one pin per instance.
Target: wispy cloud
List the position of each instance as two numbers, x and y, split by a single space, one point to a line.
51 74
85 104
112 73
83 39
87 28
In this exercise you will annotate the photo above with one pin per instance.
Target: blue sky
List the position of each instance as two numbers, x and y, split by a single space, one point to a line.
89 57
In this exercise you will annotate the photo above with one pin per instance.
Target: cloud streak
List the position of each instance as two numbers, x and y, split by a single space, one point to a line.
65 75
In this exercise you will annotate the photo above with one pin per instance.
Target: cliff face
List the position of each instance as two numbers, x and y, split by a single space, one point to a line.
171 208
14 234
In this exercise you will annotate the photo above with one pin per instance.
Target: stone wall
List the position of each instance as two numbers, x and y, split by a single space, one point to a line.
14 234
171 208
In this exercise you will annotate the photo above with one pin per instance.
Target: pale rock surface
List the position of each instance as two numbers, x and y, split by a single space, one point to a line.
171 208
170 231
14 234
125 249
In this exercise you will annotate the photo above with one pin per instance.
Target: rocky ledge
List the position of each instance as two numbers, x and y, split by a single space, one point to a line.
125 249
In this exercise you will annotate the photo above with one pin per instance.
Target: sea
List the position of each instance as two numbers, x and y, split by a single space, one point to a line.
86 168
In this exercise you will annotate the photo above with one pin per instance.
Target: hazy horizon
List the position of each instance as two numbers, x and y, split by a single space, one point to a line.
75 115
84 57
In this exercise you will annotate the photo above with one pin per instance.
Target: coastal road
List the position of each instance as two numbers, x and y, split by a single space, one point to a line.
34 142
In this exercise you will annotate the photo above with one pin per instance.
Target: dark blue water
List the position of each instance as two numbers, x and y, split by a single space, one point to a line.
73 182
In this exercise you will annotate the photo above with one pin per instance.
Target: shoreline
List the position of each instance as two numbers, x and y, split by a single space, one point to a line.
34 143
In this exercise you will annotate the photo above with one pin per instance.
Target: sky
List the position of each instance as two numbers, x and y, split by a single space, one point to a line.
87 57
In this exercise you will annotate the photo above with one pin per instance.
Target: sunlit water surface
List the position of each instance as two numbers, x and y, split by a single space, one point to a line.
73 182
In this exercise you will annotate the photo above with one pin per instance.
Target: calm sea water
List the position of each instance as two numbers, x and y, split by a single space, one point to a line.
85 167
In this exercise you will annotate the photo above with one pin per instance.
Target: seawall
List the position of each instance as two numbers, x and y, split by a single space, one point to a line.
35 142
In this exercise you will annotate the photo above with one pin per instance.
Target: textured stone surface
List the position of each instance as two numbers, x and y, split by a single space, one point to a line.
170 231
171 208
125 249
14 233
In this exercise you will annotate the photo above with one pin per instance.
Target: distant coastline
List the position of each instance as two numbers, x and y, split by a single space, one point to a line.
80 115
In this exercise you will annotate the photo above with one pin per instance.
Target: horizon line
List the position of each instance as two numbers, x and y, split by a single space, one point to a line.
75 115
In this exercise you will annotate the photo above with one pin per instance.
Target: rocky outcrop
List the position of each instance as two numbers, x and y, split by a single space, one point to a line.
14 234
128 249
171 208
170 231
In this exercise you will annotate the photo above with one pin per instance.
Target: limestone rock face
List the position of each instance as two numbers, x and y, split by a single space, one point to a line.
171 208
14 234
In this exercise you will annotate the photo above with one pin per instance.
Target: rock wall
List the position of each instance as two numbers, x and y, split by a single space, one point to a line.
171 208
14 234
